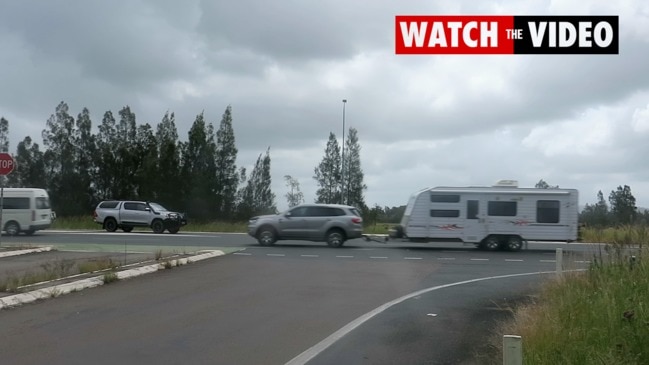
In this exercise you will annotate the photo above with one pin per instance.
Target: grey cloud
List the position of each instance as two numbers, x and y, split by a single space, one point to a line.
116 42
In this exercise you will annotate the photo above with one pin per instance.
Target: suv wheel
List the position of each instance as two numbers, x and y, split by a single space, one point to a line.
266 236
110 225
335 238
127 229
157 226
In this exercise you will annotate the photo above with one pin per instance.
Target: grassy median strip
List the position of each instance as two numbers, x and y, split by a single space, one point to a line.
598 316
55 270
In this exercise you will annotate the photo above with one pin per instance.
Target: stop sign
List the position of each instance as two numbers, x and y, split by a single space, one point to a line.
7 164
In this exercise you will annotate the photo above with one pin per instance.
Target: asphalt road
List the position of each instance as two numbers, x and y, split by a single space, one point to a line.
93 239
273 304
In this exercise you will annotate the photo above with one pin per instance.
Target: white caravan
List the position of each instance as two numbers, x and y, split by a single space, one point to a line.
25 210
502 216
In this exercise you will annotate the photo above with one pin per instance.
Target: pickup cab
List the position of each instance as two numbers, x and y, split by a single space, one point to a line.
126 214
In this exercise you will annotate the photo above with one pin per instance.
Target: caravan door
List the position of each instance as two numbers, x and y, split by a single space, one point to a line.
474 225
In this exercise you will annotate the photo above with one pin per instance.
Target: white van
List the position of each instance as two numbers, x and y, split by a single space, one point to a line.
25 210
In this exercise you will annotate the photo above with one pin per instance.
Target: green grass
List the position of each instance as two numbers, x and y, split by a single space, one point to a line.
82 222
55 270
600 316
110 277
216 226
49 271
97 265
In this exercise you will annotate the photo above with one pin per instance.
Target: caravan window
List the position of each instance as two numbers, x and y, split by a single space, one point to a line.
444 198
444 213
547 211
501 209
472 209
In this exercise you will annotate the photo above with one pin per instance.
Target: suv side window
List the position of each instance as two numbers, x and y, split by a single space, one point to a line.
325 212
299 212
130 206
318 212
141 206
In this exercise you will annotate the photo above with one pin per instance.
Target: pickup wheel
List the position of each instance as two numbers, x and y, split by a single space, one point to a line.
335 238
110 224
127 229
157 226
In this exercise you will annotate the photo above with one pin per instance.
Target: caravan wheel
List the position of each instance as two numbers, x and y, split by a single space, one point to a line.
491 243
514 243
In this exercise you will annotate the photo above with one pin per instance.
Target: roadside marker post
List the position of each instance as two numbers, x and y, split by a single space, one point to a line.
512 350
559 261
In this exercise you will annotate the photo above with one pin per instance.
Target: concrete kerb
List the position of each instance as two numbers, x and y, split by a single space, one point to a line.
57 290
25 251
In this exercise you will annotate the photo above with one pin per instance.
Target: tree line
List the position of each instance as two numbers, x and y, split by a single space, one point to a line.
127 160
200 176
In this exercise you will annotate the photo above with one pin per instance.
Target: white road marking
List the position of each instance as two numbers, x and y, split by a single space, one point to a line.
312 352
242 253
513 260
378 257
547 260
412 258
479 259
446 258
310 255
275 254
583 262
345 257
432 314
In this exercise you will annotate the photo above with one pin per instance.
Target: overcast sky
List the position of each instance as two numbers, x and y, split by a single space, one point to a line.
285 66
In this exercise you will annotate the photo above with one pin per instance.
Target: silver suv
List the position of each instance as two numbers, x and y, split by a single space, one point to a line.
329 223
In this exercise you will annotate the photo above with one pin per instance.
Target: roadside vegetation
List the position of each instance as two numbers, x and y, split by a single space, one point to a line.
597 316
55 270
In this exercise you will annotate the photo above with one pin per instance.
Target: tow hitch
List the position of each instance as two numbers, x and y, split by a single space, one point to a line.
380 238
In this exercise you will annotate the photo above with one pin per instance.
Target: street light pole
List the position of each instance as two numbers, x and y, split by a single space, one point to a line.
342 189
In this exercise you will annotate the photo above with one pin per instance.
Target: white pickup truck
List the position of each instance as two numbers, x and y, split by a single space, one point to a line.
126 214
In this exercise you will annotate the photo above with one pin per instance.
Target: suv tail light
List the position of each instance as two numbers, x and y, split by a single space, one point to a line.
356 220
94 214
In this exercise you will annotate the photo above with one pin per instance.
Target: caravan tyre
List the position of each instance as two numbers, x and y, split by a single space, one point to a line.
514 243
491 243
